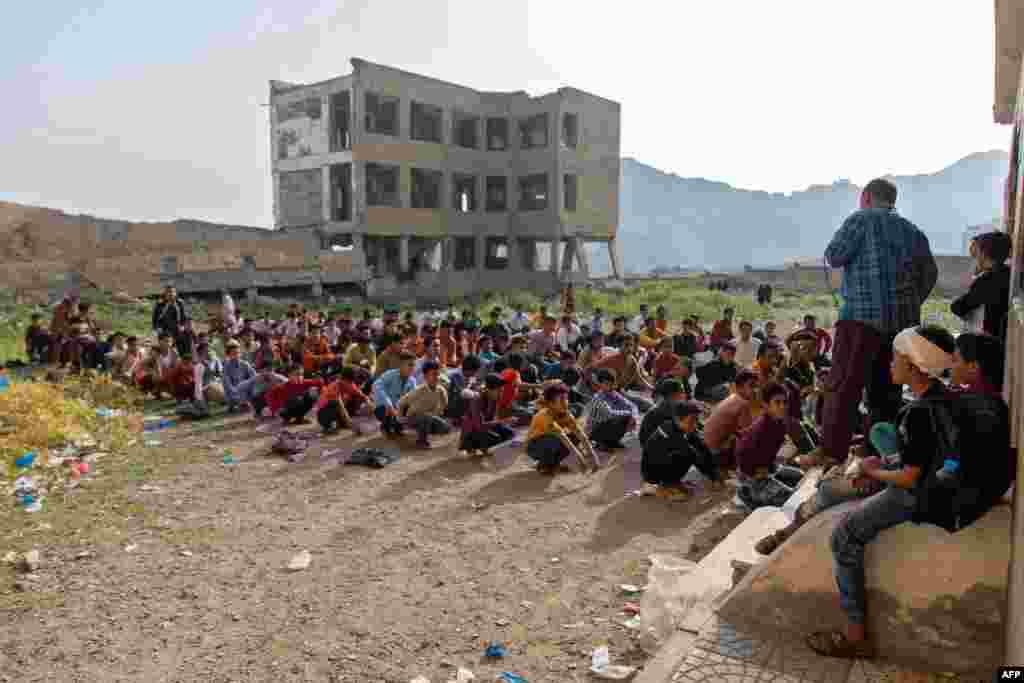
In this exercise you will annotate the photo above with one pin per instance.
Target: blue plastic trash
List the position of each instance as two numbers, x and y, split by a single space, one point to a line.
506 677
495 651
5 383
25 460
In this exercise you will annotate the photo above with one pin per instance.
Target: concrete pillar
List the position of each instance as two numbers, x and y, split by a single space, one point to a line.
556 247
570 254
318 289
480 244
583 257
615 255
448 254
403 253
515 261
325 184
250 294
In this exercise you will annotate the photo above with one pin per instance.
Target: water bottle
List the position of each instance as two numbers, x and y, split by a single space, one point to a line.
5 383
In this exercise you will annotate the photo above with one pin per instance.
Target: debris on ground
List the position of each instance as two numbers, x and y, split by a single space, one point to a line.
300 561
31 561
494 651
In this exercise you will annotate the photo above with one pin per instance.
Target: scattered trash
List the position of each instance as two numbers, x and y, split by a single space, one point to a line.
630 589
149 488
631 608
506 677
667 598
526 604
109 412
555 560
82 467
300 561
152 443
494 651
479 506
10 558
372 457
578 624
31 561
130 548
632 623
155 424
462 676
502 622
601 666
84 555
420 679
229 459
25 461
186 553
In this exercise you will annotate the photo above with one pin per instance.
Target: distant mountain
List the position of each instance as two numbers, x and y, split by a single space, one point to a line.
668 221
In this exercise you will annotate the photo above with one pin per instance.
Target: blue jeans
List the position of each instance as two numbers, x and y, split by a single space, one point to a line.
850 538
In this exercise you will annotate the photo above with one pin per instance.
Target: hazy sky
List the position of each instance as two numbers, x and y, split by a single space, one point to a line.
152 110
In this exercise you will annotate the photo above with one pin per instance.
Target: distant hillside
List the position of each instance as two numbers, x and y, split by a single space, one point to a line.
670 221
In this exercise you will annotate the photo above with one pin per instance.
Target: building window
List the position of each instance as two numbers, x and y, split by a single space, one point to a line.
248 262
497 134
465 130
382 185
426 189
341 112
496 256
425 122
465 253
533 132
570 192
336 243
464 191
381 114
497 193
341 192
533 192
570 130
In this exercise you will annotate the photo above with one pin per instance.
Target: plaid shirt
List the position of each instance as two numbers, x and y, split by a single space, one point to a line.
888 269
606 406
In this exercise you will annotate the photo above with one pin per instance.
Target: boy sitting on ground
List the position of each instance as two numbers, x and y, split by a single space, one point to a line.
37 340
555 434
426 404
762 482
293 399
389 389
673 448
670 391
713 379
481 428
339 401
611 415
236 372
730 418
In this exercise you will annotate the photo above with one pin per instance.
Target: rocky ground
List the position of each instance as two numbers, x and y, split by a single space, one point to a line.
415 567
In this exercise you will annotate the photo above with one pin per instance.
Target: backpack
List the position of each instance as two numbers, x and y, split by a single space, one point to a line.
963 424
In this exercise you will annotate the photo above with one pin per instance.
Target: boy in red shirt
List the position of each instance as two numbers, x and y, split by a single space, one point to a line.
295 398
339 401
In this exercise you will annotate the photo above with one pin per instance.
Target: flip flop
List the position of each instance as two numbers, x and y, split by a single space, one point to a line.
835 644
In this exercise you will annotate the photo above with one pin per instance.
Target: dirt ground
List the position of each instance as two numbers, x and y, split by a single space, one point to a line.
415 568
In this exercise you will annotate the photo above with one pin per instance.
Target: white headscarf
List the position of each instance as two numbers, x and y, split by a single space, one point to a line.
925 355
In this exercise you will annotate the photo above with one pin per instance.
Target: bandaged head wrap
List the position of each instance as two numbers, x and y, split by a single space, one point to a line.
926 356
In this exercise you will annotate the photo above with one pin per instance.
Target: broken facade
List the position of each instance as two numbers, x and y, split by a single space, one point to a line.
407 187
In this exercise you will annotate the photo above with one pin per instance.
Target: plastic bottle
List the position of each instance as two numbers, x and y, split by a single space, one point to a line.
5 382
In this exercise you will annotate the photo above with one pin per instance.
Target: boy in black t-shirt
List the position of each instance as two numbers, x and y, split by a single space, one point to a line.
920 356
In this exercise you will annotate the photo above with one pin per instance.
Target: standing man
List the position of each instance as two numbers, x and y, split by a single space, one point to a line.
169 313
888 272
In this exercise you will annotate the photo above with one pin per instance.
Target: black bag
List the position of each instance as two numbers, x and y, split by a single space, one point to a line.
964 424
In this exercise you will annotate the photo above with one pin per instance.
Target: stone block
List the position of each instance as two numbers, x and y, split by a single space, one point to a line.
935 599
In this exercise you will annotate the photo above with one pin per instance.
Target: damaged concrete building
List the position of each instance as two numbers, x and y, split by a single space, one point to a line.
400 186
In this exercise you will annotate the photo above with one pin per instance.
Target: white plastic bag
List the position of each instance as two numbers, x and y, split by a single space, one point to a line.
664 602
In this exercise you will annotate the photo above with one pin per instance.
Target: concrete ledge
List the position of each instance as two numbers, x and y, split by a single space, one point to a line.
935 599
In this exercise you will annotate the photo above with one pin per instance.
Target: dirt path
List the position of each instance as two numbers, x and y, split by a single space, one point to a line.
415 566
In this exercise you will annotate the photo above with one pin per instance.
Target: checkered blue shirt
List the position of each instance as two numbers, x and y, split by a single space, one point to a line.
888 269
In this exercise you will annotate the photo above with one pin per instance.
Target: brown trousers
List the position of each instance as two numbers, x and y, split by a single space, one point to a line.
861 358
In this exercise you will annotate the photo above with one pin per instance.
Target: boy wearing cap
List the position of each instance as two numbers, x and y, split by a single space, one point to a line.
920 356
673 448
482 430
611 414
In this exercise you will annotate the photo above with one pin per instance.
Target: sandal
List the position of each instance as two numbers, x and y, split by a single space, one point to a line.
672 493
836 644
